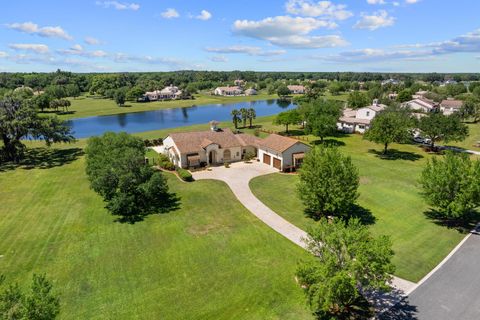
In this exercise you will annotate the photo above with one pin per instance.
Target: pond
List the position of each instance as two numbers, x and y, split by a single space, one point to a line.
170 118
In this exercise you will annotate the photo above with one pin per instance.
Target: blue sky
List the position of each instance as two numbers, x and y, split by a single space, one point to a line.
273 35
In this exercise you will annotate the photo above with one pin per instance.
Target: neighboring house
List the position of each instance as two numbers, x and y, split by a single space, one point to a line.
250 92
217 146
393 96
359 120
390 81
281 152
296 89
420 94
228 91
167 93
421 105
450 106
239 83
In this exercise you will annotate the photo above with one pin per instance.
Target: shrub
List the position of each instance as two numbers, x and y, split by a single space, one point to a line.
249 156
256 132
226 164
185 175
165 163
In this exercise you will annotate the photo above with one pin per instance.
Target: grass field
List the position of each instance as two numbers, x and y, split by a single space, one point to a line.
390 191
471 140
88 107
202 261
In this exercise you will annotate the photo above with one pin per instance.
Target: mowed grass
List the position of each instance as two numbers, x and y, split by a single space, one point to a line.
472 140
390 190
87 106
210 259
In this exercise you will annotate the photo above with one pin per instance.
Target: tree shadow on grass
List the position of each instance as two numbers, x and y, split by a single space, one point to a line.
44 158
394 154
363 214
292 132
403 310
461 225
170 204
329 143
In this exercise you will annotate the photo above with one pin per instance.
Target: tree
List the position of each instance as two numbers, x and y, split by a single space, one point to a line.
19 119
287 118
471 109
322 117
357 100
251 115
244 115
283 91
391 125
72 90
328 183
119 97
452 184
41 102
41 303
349 261
437 126
404 95
117 171
236 117
134 93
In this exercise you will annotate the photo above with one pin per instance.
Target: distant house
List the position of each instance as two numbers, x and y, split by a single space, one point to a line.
250 92
167 93
393 96
218 146
421 105
450 106
390 81
296 89
228 91
359 120
239 83
420 94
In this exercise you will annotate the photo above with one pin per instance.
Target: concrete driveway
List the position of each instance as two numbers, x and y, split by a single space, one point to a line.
452 292
238 176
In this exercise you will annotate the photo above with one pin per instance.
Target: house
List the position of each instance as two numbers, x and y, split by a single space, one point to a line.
296 89
228 91
450 106
167 93
420 94
239 83
359 120
393 96
421 105
390 81
250 92
217 146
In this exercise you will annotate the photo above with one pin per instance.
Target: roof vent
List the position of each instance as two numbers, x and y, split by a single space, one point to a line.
214 125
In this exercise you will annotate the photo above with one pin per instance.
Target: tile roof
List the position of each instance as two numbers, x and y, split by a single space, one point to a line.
277 142
456 104
193 142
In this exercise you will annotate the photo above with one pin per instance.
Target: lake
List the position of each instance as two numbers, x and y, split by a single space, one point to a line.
170 118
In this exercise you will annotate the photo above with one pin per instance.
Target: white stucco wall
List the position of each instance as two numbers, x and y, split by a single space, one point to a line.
285 157
366 113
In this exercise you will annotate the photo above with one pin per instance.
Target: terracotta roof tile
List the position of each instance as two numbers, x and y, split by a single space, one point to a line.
277 142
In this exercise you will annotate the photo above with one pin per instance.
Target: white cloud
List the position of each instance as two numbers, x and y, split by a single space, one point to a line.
170 13
286 31
118 5
376 2
379 19
204 15
77 50
467 43
250 50
324 9
171 63
219 59
412 1
92 41
37 48
3 54
33 28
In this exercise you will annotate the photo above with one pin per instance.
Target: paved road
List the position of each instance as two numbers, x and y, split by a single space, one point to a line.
238 176
451 293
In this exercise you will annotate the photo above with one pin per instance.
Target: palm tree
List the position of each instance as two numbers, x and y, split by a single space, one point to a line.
235 117
251 114
244 114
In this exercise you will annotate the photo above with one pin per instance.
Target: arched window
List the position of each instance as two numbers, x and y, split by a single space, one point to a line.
227 155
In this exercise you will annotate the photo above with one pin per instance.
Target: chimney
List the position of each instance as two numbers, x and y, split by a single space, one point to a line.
214 125
375 102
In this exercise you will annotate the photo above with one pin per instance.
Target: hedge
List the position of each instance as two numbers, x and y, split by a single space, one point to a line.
185 175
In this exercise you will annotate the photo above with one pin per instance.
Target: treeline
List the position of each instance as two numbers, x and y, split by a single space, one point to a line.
200 80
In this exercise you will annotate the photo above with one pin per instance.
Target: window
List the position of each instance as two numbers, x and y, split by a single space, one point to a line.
361 126
238 154
368 113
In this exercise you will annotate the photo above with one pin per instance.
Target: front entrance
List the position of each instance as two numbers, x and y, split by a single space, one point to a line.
277 163
212 157
267 159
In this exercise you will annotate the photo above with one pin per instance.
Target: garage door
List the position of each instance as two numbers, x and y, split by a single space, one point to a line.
277 163
266 159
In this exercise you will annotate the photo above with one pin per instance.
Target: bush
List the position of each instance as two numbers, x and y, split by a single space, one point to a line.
249 156
226 164
256 132
185 175
165 163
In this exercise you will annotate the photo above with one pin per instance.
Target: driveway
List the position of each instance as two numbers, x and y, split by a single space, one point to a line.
452 292
238 176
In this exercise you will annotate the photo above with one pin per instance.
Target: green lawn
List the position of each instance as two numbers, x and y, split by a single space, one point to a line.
88 106
390 190
471 140
210 259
